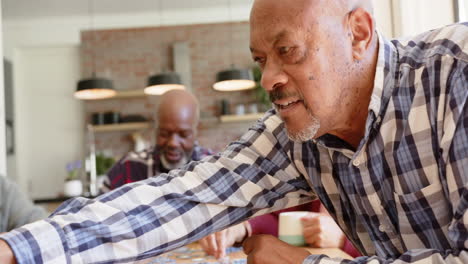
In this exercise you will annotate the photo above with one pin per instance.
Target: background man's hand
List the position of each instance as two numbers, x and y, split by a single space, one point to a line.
321 231
216 244
267 249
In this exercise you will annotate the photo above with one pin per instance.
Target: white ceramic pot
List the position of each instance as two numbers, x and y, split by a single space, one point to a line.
73 188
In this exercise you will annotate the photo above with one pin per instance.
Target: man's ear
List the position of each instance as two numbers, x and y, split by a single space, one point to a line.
361 26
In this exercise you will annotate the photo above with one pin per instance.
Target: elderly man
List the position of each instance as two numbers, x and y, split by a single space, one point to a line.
379 134
177 119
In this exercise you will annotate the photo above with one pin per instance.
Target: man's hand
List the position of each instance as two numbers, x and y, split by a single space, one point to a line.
267 249
321 231
216 244
6 254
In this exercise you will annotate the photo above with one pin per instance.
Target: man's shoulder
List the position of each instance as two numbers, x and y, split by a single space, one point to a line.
134 162
139 156
451 40
270 120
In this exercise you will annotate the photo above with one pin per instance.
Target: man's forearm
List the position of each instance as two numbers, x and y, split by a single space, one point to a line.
6 254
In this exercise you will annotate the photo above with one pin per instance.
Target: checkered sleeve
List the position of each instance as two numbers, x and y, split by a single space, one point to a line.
147 218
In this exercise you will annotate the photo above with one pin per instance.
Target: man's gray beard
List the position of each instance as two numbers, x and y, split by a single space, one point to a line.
307 133
170 166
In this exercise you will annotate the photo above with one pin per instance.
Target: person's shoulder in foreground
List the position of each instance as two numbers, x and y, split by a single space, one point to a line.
16 209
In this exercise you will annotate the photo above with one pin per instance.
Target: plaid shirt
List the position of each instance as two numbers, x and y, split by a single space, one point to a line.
401 196
137 166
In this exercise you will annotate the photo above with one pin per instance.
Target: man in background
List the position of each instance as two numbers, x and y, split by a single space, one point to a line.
178 114
16 209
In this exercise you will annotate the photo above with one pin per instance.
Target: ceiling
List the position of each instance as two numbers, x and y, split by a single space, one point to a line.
31 9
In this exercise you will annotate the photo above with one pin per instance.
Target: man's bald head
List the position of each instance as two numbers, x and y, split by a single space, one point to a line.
178 115
336 8
179 103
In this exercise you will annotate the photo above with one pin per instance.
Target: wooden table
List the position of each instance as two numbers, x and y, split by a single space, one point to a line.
200 257
331 252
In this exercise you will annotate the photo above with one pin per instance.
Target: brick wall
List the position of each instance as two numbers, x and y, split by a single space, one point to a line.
129 56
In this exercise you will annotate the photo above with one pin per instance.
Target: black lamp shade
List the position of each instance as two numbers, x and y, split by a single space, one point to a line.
234 80
163 82
94 88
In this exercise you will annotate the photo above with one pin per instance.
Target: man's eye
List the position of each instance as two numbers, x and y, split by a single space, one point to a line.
163 133
185 134
259 61
284 50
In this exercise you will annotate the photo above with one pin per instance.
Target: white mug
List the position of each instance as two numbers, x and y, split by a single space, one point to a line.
291 230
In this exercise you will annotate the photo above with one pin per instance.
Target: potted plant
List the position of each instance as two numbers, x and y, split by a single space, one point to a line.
103 164
73 185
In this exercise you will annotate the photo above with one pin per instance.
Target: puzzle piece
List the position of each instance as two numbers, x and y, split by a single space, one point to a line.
197 256
239 261
162 260
230 250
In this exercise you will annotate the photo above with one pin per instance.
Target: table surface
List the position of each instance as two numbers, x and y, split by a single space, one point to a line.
194 254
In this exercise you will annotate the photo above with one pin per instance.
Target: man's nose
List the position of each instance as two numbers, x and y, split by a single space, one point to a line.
273 76
173 140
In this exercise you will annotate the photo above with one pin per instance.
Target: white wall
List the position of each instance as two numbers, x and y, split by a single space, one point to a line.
3 160
412 17
464 16
462 10
66 30
383 17
49 120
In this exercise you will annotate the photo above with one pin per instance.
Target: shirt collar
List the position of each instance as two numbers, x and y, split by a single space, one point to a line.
385 75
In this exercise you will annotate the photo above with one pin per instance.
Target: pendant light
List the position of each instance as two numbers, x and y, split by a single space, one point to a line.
162 82
233 79
94 88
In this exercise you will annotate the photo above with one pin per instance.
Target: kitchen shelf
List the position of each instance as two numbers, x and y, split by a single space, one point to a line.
240 118
120 127
121 94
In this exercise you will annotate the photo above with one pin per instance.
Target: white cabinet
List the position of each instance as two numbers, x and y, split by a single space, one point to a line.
412 17
49 129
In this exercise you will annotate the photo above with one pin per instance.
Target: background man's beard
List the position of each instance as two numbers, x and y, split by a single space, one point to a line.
170 166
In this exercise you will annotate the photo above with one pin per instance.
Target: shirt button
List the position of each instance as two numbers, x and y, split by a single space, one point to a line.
382 228
356 162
